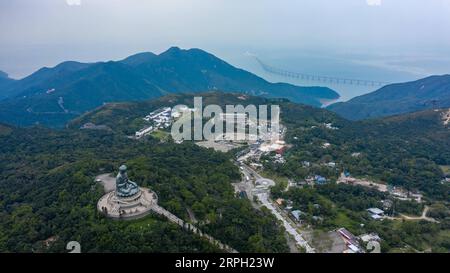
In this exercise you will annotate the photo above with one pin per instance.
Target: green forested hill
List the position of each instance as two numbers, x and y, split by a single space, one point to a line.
403 150
47 187
47 190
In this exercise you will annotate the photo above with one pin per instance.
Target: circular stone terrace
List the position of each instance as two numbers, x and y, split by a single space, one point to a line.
133 207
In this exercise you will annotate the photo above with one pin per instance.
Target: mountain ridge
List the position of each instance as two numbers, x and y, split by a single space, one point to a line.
427 93
5 82
53 96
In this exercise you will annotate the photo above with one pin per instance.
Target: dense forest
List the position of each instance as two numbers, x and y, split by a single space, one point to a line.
406 151
48 195
402 151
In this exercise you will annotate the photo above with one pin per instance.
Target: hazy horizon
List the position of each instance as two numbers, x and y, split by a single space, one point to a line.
386 40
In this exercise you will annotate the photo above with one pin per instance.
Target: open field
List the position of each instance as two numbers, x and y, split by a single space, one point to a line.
221 146
445 169
278 179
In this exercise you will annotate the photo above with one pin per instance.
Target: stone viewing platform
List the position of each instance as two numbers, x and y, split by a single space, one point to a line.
133 207
125 200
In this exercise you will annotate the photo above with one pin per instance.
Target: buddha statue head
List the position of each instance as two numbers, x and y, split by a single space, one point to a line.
122 168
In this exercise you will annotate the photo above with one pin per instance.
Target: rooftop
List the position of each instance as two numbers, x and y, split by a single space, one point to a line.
375 211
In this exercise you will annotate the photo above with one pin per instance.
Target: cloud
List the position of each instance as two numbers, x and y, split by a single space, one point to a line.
373 2
73 2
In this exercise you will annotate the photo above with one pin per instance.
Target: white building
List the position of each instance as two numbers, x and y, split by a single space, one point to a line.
331 164
326 145
370 237
144 132
376 213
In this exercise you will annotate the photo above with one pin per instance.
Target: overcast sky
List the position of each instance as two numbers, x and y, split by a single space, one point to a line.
44 32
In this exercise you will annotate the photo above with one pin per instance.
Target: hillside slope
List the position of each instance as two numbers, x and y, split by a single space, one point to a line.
398 98
5 82
48 190
402 150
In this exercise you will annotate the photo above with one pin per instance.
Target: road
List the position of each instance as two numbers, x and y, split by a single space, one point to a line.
422 217
173 218
247 184
268 203
263 197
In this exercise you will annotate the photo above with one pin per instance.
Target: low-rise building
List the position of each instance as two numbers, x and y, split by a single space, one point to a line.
144 132
350 240
370 237
296 214
331 164
320 179
280 201
326 145
376 213
278 158
330 126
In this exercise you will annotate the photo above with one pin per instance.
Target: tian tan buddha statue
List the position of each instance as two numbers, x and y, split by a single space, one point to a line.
125 187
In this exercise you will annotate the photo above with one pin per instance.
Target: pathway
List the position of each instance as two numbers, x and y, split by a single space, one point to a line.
161 211
263 197
412 218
